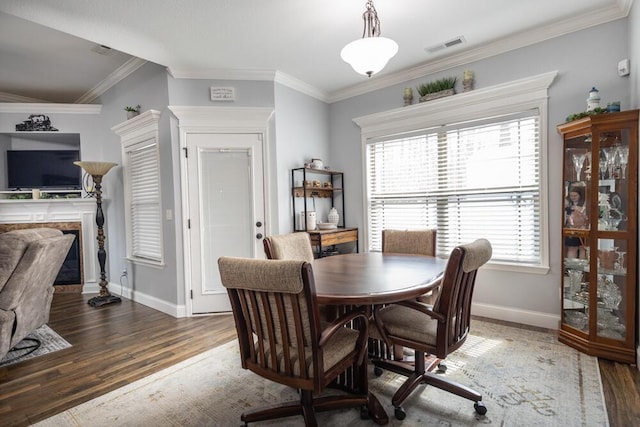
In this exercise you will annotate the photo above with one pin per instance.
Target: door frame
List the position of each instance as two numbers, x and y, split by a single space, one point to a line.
216 120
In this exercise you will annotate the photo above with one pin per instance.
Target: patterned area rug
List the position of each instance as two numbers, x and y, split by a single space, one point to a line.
50 342
527 378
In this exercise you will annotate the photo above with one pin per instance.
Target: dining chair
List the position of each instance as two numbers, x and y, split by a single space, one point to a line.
275 309
292 246
436 330
414 242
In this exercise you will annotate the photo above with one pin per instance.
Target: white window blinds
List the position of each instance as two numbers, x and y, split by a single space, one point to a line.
144 208
468 180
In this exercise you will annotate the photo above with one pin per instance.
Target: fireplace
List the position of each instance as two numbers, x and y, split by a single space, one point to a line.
70 277
77 216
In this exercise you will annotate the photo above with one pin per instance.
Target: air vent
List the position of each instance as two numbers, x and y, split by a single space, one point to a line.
102 50
450 43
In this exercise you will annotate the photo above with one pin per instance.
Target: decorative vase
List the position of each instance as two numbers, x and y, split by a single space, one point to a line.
333 216
132 114
408 96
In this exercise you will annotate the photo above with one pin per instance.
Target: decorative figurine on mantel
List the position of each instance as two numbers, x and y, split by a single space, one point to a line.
593 101
36 122
408 96
467 81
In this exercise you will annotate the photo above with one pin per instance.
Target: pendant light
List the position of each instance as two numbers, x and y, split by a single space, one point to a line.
371 53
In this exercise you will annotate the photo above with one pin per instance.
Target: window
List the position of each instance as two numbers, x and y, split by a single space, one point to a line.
481 174
143 207
468 180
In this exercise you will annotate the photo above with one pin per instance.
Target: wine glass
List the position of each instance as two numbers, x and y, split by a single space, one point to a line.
578 162
575 277
620 261
623 153
603 168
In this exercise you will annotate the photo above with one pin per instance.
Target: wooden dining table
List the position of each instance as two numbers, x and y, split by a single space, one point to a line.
368 279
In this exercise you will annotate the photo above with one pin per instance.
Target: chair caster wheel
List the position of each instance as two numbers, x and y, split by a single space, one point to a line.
377 371
364 413
442 368
399 413
480 408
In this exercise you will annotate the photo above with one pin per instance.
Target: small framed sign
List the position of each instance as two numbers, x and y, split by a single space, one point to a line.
223 93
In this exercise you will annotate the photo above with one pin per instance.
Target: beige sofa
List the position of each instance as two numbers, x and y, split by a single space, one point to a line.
29 263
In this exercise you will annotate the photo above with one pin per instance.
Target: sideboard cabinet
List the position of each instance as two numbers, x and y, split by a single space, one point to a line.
599 235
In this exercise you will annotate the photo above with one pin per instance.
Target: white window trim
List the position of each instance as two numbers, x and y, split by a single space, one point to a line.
141 130
527 93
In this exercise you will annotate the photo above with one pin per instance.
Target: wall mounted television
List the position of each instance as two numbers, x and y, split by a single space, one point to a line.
44 169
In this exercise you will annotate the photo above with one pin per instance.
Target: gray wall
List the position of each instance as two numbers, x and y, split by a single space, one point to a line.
583 59
302 133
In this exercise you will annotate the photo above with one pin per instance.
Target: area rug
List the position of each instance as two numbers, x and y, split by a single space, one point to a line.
527 378
50 342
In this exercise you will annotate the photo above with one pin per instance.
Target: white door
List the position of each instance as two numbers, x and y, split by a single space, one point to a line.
226 210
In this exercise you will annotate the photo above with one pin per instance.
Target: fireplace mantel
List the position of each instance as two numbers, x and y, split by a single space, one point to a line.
61 210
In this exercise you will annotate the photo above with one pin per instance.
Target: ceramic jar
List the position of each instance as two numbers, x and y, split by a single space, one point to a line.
333 217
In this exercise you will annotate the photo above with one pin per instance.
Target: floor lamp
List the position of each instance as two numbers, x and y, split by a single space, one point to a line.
97 170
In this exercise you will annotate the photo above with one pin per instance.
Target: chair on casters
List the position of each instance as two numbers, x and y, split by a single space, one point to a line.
278 324
292 246
437 330
414 242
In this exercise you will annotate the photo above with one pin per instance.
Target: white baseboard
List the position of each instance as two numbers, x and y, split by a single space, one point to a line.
507 314
524 317
139 297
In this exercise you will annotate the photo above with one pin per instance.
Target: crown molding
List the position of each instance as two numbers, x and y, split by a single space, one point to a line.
9 97
49 108
221 74
499 46
112 79
300 86
256 75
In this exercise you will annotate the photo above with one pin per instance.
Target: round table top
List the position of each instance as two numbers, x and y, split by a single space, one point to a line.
374 277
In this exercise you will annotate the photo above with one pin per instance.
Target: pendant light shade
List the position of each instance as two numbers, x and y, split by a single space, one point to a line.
371 53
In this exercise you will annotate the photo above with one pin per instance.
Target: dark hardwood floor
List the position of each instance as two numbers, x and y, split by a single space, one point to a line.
121 343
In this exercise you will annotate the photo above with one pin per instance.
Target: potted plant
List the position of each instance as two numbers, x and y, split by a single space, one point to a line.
437 89
132 111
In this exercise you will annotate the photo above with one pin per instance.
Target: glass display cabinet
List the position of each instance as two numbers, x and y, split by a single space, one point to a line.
599 235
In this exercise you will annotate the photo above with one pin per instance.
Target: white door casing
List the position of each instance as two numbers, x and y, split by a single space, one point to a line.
236 140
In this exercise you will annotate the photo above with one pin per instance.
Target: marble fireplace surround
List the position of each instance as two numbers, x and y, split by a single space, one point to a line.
61 211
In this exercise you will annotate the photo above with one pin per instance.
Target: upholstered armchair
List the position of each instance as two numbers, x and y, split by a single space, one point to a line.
30 260
437 330
282 339
293 246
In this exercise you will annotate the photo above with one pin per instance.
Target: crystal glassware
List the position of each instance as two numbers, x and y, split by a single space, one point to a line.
575 278
623 154
578 162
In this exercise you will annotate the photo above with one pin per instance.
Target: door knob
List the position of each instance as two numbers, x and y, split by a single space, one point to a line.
259 236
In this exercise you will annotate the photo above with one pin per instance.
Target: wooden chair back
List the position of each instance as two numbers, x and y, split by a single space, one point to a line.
453 307
278 324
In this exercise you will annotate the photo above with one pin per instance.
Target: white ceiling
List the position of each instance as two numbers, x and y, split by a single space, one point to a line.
46 47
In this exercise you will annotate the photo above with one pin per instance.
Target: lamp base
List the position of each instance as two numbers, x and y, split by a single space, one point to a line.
100 301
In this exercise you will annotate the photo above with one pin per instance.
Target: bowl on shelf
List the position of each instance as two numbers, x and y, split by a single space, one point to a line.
576 319
326 226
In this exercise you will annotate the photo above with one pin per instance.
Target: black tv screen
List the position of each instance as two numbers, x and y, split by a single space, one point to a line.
52 169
